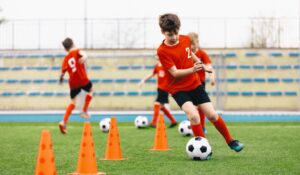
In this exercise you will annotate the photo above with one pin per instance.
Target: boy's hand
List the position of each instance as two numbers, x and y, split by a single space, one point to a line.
197 66
61 79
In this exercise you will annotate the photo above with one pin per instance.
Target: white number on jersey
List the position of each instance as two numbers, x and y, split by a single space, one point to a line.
188 52
72 64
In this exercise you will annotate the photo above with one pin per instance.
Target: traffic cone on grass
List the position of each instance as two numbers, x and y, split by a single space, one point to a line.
87 164
45 163
160 139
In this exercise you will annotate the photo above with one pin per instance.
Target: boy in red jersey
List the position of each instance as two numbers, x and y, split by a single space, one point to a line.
162 95
183 82
204 58
73 63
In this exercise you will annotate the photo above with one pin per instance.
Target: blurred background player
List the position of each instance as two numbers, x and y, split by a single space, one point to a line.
204 58
184 84
74 64
162 99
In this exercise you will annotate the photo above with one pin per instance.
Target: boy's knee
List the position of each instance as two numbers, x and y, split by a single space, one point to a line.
213 116
194 119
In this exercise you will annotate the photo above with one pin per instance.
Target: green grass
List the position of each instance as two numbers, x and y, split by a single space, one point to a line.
271 148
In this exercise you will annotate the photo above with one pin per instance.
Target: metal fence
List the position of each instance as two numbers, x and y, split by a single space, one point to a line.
145 33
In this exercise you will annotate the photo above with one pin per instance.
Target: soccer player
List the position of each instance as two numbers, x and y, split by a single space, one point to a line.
74 64
162 99
183 82
202 55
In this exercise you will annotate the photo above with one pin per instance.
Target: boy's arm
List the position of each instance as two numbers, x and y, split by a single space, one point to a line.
83 57
177 73
61 78
207 68
145 79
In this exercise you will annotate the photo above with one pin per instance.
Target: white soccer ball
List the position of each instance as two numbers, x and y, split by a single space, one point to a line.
141 122
104 124
198 148
184 128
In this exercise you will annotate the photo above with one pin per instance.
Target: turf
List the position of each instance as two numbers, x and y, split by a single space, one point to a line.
271 148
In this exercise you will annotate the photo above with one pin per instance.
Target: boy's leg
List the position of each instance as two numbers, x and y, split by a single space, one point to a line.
193 115
202 120
169 115
220 125
88 98
63 124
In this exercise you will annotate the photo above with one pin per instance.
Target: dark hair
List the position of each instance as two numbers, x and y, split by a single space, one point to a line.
169 22
67 43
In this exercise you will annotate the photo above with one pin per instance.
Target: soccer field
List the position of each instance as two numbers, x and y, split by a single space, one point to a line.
271 148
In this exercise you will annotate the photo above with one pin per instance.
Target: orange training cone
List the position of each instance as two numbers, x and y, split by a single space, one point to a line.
113 146
87 164
45 163
160 140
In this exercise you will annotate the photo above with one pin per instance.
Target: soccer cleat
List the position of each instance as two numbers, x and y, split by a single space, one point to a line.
173 125
62 127
84 115
236 145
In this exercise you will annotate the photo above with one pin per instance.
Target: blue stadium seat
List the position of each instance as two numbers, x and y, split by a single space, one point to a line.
107 80
38 81
103 93
30 67
276 93
233 93
152 80
294 54
231 80
247 93
252 54
16 68
118 93
12 81
287 80
245 66
123 67
149 67
1 80
231 66
276 54
4 68
290 93
221 80
59 55
230 55
6 94
19 93
21 56
246 80
273 80
96 67
215 93
34 93
259 80
148 93
25 81
55 67
61 94
136 67
135 80
48 56
95 80
41 67
258 66
121 80
285 67
52 81
296 66
133 93
48 93
272 67
261 93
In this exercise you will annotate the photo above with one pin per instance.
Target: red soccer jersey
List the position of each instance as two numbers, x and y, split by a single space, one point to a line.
76 71
161 76
205 59
178 55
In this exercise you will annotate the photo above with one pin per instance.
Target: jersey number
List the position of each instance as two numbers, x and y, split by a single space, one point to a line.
188 52
72 64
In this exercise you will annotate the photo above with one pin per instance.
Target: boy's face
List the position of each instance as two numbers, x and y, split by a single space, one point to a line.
171 37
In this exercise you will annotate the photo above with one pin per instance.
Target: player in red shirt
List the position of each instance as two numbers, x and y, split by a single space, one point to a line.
162 99
203 56
184 83
73 63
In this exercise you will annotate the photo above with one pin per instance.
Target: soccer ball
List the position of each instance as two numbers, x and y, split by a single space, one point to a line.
198 148
184 128
104 124
141 122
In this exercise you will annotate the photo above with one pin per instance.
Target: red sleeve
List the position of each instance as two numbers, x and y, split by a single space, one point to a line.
204 57
155 69
165 60
64 66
